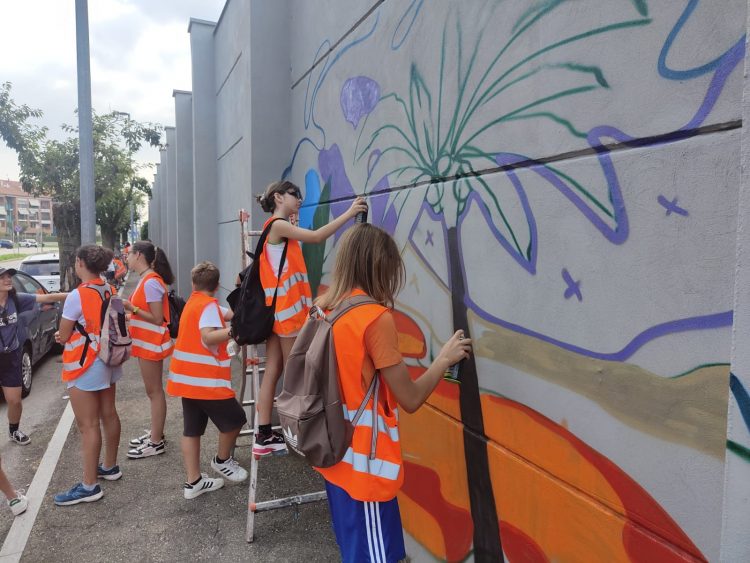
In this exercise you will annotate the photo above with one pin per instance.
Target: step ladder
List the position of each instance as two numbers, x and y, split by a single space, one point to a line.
253 366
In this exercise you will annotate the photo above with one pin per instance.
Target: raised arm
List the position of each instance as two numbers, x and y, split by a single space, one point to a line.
50 297
411 394
284 229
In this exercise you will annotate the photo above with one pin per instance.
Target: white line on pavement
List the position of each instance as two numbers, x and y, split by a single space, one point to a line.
15 541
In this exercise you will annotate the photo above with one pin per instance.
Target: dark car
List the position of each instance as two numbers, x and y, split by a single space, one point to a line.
5 243
41 323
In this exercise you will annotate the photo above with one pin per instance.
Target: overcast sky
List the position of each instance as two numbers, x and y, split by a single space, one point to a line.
140 52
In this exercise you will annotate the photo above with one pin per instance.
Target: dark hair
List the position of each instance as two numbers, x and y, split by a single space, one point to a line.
268 202
96 258
205 276
156 258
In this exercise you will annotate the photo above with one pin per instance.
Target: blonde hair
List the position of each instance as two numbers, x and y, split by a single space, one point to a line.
205 276
367 258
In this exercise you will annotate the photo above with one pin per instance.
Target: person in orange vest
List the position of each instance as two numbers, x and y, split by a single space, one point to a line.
120 270
294 298
362 488
90 382
200 374
151 341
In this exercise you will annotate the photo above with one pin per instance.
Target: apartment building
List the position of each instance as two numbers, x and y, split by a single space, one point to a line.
22 213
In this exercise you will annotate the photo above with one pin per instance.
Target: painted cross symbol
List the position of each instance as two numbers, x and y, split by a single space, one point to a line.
429 239
671 206
574 287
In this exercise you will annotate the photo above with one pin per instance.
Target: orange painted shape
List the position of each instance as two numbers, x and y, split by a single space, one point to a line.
518 547
411 341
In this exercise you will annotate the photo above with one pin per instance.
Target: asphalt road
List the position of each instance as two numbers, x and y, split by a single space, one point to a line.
143 516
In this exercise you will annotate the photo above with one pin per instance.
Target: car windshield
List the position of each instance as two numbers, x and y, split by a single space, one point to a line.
51 268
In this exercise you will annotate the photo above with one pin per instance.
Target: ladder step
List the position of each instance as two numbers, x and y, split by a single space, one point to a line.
288 501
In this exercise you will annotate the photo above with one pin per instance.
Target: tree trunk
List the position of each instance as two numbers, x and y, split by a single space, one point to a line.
109 238
67 218
487 544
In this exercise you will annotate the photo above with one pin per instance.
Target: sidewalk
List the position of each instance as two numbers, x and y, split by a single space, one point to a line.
144 517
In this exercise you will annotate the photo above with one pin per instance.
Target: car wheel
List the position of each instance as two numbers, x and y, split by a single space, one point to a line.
26 372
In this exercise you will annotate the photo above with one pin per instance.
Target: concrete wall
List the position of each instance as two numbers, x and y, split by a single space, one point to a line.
184 258
563 180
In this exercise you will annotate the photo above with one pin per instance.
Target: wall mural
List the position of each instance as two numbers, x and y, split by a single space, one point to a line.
497 155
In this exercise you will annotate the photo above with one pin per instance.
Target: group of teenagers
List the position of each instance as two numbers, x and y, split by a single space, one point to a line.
361 491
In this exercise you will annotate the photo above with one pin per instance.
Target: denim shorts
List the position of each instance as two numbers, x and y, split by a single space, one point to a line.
97 378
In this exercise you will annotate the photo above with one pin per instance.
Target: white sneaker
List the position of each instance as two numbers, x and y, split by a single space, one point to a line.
146 450
205 485
140 440
19 504
229 469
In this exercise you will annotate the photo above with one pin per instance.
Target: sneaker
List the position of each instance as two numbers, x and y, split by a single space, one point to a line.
140 440
205 485
229 469
20 438
112 474
19 504
273 443
78 494
147 450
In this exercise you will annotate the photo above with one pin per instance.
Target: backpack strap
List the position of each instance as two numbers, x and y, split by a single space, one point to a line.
349 304
81 329
259 250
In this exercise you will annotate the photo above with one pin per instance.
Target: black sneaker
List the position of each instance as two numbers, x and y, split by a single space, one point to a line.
273 443
20 438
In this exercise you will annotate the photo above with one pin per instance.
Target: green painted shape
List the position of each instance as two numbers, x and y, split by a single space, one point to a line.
315 253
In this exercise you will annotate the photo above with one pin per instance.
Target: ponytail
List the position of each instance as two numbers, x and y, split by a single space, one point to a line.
156 258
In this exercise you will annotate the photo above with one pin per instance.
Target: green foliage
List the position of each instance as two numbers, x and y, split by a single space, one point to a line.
315 253
144 231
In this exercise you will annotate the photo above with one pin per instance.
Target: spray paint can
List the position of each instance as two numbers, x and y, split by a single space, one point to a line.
360 217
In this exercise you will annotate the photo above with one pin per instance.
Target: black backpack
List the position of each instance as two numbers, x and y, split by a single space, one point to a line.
253 319
176 305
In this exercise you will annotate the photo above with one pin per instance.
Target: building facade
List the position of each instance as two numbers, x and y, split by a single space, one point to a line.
22 214
564 180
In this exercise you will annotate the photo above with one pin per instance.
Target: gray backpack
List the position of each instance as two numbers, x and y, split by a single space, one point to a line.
310 409
114 340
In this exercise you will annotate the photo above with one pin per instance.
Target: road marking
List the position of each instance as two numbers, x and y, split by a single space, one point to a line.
15 541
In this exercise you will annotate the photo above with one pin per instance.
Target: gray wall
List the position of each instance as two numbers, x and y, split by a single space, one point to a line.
184 258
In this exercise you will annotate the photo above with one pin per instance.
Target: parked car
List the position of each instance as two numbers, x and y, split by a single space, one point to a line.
41 323
5 243
29 242
45 268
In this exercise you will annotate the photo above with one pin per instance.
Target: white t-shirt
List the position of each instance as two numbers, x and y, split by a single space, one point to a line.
153 289
210 319
73 310
274 257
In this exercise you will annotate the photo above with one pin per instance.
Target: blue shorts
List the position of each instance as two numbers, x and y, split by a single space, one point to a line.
10 368
366 532
98 377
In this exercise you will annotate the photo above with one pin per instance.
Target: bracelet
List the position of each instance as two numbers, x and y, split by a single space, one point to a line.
135 310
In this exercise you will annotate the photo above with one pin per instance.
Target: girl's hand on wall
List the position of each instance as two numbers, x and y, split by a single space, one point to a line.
359 205
456 349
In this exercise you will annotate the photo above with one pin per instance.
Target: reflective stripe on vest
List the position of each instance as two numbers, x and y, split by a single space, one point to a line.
375 467
365 419
150 341
287 285
300 306
194 371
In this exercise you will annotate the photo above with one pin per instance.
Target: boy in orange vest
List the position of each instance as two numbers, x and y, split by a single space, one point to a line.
200 374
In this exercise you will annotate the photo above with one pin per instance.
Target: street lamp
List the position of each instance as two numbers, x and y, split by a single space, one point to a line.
126 115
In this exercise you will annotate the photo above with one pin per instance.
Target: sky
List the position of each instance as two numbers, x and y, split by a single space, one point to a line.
140 53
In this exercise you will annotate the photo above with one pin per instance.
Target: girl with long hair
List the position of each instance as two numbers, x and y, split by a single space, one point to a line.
294 298
90 382
362 487
151 342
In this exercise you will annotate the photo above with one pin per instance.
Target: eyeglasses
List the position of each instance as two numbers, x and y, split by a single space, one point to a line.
295 193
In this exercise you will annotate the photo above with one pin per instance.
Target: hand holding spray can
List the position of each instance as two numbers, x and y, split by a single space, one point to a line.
453 373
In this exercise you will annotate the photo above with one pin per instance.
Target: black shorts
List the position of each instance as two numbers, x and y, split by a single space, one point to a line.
10 369
226 414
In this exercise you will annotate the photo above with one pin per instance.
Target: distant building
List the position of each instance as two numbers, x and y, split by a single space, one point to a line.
18 208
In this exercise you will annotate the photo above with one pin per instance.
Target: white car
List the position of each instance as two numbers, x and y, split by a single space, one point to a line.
28 243
44 268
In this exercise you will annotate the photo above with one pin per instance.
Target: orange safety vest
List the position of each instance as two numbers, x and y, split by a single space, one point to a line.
75 363
365 479
150 341
195 372
294 297
120 269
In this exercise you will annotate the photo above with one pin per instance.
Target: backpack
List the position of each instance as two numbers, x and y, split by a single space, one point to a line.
253 319
176 305
311 412
114 339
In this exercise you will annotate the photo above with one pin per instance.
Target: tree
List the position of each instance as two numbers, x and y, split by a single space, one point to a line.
51 167
144 231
